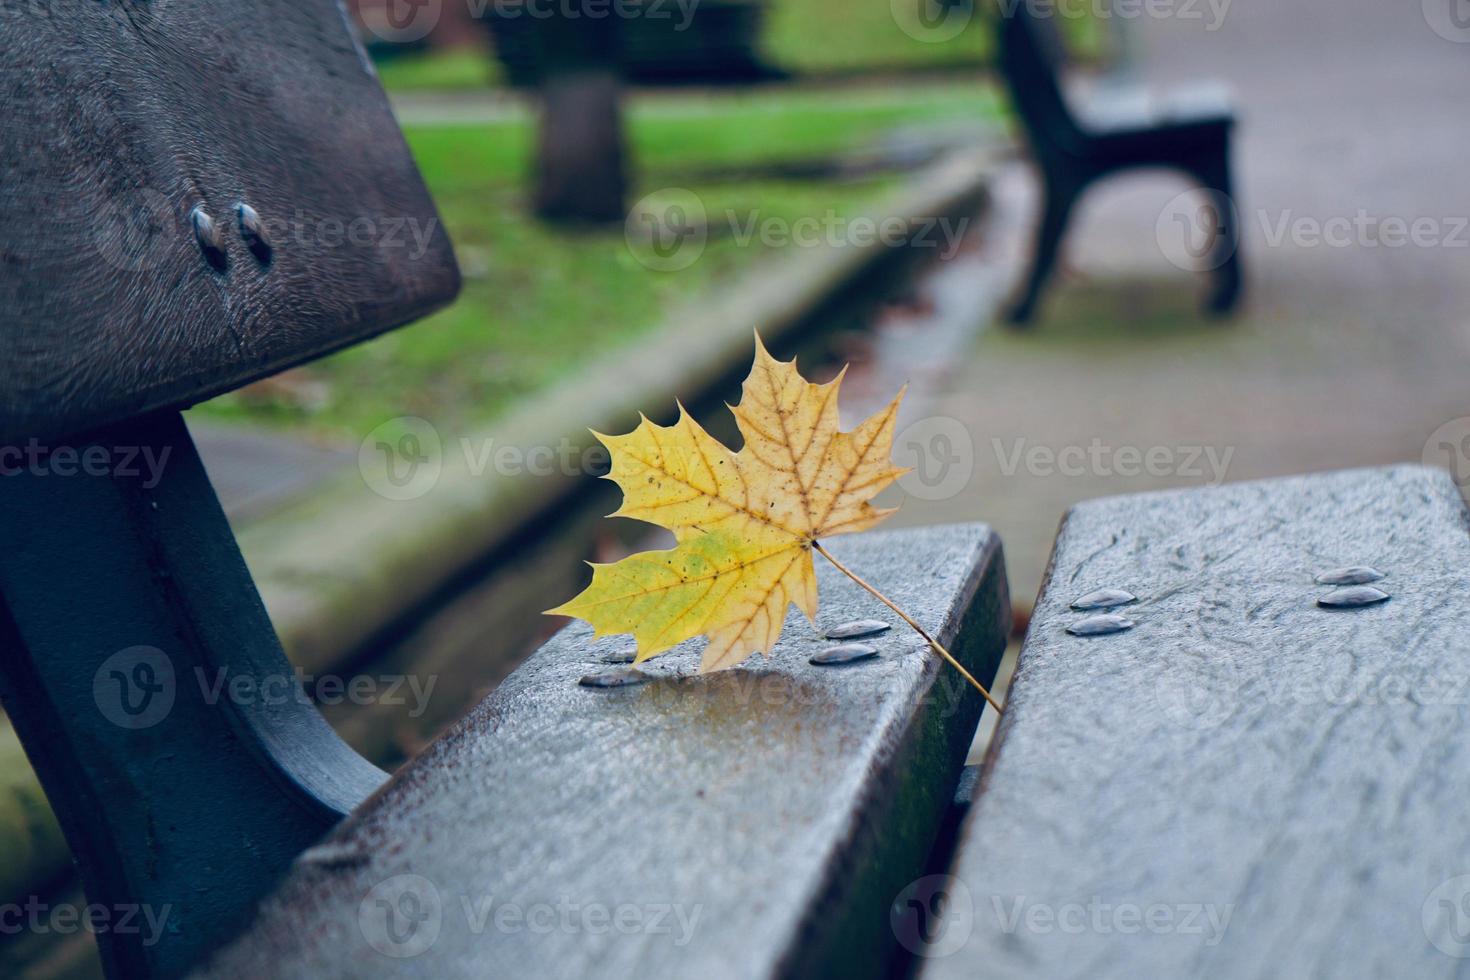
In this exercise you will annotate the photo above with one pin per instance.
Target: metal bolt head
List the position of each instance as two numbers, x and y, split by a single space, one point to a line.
206 232
252 228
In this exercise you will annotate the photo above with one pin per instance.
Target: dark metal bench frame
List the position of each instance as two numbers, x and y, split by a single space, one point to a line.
117 623
1071 156
148 151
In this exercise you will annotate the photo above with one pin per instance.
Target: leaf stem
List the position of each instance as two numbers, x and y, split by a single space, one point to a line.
917 628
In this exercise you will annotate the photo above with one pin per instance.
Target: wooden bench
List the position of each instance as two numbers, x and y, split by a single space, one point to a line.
1229 788
1245 784
781 819
1072 152
195 196
753 823
193 202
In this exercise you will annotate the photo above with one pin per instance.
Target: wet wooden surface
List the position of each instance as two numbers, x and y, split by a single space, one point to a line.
1244 784
751 823
121 119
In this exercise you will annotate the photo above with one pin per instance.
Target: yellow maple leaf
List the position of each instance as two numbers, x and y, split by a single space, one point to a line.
745 522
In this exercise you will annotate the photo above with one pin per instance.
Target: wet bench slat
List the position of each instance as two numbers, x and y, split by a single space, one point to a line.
1282 788
766 815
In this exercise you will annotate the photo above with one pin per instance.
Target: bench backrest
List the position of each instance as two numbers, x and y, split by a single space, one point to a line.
194 195
121 120
1033 59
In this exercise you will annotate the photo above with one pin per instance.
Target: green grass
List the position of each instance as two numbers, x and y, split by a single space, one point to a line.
462 68
848 35
803 36
539 301
856 35
740 129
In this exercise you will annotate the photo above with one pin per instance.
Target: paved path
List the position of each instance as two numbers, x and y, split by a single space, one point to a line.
255 471
1347 354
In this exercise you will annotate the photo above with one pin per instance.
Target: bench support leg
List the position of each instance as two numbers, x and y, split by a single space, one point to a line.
1061 195
152 695
1224 260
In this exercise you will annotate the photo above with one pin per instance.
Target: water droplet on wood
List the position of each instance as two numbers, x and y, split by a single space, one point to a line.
858 629
334 856
1354 575
1104 599
615 678
1103 625
845 654
1353 597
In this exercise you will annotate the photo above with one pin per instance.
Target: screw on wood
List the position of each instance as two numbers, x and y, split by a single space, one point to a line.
207 233
933 643
252 229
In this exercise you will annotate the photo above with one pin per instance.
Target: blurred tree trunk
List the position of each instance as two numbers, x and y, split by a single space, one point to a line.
580 153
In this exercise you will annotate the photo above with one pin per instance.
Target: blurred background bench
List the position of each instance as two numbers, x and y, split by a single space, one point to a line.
1124 131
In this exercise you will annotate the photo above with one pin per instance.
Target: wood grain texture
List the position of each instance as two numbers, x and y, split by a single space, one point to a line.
778 807
1289 784
122 116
